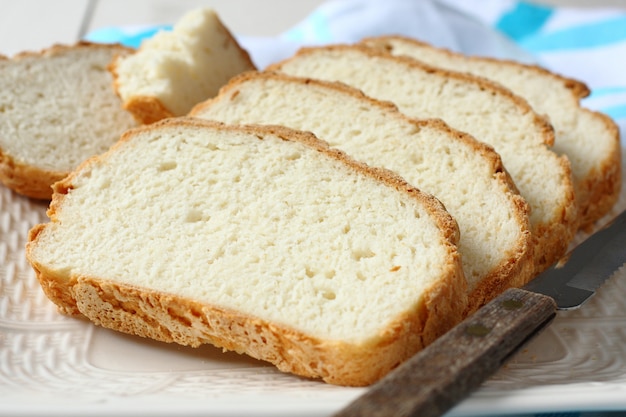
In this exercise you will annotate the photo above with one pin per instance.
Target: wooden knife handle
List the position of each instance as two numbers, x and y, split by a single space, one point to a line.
440 376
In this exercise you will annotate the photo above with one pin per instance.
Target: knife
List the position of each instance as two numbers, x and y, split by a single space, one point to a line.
449 369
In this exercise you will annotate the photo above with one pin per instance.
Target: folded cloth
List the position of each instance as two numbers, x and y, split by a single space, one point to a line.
587 44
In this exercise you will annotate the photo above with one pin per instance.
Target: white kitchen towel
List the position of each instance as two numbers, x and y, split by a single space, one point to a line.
588 44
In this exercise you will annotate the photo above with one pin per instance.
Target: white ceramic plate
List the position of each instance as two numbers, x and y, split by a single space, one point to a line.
55 365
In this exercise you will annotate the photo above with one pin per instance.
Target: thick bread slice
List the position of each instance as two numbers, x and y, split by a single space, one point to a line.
57 108
589 139
257 239
174 70
464 174
485 110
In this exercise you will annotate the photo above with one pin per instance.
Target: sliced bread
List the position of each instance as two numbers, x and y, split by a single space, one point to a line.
57 108
261 240
176 69
589 139
485 110
464 174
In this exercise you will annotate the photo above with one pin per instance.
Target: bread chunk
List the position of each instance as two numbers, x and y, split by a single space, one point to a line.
57 108
589 139
174 70
261 240
464 174
485 110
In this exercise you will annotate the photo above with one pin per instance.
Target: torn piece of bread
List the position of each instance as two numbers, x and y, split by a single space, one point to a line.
464 174
589 139
261 240
174 70
485 110
57 108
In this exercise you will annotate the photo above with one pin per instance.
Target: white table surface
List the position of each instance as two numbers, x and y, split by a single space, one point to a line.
35 24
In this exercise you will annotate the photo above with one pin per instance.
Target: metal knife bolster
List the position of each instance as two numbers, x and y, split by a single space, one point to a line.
577 276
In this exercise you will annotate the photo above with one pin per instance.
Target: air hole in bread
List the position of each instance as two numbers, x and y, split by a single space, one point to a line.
294 156
329 295
358 254
166 166
417 159
98 68
194 215
105 183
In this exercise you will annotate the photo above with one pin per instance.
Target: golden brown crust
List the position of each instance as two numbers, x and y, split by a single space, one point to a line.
551 241
27 180
602 186
578 88
598 192
58 48
269 74
169 318
147 109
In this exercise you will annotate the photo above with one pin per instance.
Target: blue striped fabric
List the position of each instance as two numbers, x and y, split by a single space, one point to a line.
129 36
523 20
581 36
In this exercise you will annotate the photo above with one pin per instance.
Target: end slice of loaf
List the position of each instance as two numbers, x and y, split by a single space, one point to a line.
174 70
589 139
57 108
464 174
485 110
259 240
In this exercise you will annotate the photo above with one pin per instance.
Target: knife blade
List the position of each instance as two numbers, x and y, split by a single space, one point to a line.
444 373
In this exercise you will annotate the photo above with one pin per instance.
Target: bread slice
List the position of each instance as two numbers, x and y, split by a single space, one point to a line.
176 69
589 139
464 174
477 106
57 108
259 240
